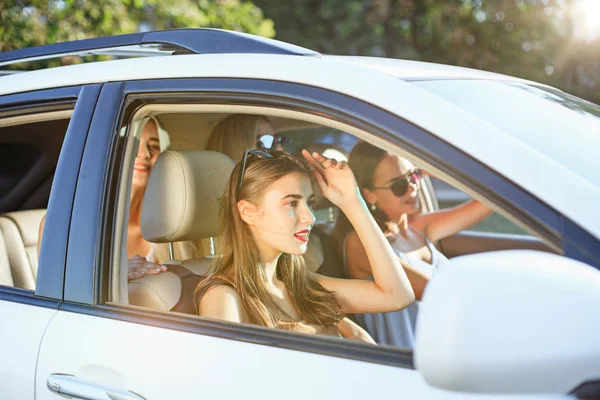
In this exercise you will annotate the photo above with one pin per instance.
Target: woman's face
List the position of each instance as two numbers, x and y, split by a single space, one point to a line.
390 169
283 220
147 154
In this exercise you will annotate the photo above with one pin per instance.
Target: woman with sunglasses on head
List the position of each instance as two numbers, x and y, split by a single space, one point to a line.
238 132
262 278
390 186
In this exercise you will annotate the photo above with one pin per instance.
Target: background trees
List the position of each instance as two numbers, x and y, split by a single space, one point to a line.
551 41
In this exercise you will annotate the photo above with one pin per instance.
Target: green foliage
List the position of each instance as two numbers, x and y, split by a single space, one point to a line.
531 39
37 22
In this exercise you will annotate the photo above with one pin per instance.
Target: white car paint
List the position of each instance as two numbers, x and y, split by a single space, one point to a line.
165 364
20 338
412 70
416 105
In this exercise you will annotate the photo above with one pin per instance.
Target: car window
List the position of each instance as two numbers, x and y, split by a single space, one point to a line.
159 244
29 154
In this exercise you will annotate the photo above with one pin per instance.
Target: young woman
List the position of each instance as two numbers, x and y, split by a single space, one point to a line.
239 132
153 140
262 279
390 186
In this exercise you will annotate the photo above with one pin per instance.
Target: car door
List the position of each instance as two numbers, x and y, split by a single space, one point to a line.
96 347
33 125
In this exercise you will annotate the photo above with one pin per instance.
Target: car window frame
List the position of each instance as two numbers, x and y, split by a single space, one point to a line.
81 100
121 104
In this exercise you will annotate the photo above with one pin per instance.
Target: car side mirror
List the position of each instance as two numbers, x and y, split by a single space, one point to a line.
515 321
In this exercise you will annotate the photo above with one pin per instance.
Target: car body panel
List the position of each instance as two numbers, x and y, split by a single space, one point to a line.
168 364
20 339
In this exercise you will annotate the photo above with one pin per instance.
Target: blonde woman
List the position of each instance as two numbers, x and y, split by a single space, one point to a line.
239 132
153 140
262 278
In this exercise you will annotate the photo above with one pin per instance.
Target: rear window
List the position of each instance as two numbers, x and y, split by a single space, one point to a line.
563 127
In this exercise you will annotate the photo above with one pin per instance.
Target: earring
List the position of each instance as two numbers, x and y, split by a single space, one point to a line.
373 206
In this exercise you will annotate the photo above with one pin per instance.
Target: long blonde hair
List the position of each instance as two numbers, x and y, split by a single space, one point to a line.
240 261
235 134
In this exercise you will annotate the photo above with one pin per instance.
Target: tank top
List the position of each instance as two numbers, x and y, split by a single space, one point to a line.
294 326
397 328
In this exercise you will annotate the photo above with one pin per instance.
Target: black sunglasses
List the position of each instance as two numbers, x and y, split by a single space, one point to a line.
250 152
270 141
400 185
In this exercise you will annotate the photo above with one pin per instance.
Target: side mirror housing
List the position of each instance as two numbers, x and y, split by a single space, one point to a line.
516 321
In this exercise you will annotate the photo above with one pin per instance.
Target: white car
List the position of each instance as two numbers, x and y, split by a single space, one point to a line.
516 315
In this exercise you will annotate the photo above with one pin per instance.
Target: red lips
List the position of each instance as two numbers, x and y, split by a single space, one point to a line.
302 235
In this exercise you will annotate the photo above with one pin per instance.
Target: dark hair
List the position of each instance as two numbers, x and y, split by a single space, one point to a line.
363 160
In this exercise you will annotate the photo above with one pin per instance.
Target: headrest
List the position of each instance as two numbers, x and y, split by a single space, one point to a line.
181 201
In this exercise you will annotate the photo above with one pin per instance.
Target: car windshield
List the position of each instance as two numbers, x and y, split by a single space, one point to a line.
561 126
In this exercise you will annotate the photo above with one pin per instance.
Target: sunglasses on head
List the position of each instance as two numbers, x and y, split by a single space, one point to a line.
250 152
400 185
270 141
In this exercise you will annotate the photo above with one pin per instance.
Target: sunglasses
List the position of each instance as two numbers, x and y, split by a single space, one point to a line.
250 152
400 185
270 141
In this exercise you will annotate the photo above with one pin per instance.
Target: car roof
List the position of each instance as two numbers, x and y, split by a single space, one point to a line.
410 70
106 71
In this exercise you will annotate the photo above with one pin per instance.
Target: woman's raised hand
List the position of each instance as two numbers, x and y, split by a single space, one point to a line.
335 179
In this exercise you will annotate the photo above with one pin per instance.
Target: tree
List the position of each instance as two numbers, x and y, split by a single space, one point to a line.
37 22
531 39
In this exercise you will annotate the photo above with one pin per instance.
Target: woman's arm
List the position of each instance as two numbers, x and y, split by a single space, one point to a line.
353 331
359 267
441 224
390 289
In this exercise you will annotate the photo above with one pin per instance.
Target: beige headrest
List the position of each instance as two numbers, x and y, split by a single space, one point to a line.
181 199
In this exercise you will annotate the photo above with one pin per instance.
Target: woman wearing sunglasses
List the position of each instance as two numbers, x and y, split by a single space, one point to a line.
390 186
267 218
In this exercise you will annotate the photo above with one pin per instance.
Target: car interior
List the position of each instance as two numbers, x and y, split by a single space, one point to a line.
30 148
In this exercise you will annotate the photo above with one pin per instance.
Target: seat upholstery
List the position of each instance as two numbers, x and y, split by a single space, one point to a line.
5 273
181 202
19 230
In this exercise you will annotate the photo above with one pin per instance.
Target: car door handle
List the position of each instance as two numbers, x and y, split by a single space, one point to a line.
69 386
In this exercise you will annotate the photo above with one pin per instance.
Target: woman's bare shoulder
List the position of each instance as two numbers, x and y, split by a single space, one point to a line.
222 301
